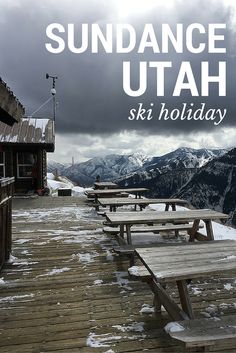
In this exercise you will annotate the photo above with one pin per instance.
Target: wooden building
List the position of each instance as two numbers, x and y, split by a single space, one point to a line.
23 149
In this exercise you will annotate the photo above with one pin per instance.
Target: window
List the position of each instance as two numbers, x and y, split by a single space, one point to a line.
2 164
25 163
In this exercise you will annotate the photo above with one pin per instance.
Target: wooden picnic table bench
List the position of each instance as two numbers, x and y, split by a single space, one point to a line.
125 220
127 249
101 185
113 203
178 263
204 332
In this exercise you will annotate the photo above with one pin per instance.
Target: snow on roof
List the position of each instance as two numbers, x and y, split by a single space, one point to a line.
29 130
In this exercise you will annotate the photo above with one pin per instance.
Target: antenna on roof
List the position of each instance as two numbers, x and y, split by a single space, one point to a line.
53 92
53 97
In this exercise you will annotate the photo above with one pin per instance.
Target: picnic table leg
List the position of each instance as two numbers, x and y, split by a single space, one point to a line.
110 208
194 230
185 298
209 230
128 232
167 207
122 230
96 203
156 299
173 206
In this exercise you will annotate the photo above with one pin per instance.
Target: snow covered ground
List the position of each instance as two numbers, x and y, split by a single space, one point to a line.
63 183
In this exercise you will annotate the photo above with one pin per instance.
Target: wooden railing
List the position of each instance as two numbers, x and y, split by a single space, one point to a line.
6 192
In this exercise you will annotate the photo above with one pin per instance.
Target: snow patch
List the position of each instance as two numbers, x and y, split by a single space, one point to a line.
122 282
226 258
228 286
134 271
50 176
2 281
109 255
55 271
103 340
22 241
135 326
206 315
196 290
147 309
173 327
12 259
16 297
86 258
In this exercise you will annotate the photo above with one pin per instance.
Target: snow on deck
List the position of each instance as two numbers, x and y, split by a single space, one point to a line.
64 290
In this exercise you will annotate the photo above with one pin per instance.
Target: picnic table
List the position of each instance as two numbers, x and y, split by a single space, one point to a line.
127 219
113 192
101 185
181 262
113 203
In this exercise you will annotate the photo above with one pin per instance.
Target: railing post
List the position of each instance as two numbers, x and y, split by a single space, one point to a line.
6 193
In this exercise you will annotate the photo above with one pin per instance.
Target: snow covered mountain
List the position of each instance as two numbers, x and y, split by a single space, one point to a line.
214 186
110 167
166 174
185 158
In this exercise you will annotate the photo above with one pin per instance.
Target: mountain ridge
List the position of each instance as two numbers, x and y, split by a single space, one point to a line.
119 167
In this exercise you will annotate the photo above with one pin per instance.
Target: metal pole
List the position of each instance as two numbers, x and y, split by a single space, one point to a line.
54 108
53 91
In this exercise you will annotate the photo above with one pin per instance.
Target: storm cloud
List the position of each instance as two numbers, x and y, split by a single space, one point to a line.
90 94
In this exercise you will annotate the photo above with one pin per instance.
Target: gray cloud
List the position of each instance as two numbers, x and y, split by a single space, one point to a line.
90 94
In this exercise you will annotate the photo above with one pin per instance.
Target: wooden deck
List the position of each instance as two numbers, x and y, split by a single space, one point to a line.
65 292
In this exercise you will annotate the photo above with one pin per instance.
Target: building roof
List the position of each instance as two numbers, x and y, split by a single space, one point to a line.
11 110
29 131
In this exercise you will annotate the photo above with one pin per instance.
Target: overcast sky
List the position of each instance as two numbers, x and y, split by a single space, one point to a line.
92 107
